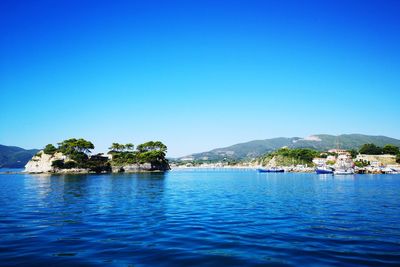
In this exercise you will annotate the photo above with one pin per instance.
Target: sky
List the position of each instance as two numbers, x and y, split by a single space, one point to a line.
196 75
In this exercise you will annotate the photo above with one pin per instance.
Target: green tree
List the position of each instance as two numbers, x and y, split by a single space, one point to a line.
371 149
152 146
129 146
353 153
398 158
77 150
50 149
116 147
361 163
391 149
73 145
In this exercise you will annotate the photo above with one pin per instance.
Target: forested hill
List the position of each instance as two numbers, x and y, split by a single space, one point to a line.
320 142
15 157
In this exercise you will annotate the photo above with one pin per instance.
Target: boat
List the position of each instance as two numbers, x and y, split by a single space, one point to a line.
272 169
388 170
323 170
344 165
348 171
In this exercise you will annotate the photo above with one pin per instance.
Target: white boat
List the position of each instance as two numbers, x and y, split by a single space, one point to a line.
388 170
344 165
348 171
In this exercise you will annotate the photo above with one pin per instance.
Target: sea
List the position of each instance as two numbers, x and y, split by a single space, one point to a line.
214 217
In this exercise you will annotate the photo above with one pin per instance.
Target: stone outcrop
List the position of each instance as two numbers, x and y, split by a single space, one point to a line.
41 162
145 167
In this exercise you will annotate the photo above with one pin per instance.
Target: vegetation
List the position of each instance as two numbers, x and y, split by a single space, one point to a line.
116 147
152 152
77 151
372 149
390 149
361 163
353 153
330 162
398 158
50 149
258 148
287 156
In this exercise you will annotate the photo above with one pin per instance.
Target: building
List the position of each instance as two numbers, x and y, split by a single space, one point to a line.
319 161
339 151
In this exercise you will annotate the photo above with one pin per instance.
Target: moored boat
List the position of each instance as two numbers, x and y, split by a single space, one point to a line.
272 169
348 171
323 170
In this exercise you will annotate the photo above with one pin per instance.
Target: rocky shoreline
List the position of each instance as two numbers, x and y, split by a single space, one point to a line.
42 163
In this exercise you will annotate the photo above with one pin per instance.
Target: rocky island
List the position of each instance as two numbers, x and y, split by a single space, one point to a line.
74 156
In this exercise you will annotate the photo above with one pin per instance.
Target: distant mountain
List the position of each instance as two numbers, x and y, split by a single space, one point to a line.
15 157
320 142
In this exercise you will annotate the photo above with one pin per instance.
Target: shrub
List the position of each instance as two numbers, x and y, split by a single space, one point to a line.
70 164
371 149
58 164
391 149
50 149
361 163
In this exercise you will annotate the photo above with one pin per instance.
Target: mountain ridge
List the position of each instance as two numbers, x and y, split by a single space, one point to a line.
256 148
15 157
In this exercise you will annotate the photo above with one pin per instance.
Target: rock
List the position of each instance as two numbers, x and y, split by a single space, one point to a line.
133 168
41 162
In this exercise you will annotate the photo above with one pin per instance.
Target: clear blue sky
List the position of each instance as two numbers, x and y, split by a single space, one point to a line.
197 74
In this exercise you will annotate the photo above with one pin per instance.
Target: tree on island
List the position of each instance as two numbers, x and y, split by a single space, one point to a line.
129 146
152 146
116 147
78 156
152 152
73 145
50 149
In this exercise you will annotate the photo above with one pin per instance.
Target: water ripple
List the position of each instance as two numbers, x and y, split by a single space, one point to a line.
208 218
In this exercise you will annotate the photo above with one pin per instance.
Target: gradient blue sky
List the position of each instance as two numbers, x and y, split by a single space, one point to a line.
197 74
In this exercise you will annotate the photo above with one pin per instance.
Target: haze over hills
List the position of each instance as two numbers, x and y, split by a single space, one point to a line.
15 157
320 142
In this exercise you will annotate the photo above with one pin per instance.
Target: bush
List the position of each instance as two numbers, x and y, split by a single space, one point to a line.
70 164
50 149
361 163
58 164
371 149
391 149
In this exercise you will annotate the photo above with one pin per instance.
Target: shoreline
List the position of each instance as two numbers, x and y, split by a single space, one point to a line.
180 168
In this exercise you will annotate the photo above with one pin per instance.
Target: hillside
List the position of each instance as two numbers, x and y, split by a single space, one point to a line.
319 142
15 157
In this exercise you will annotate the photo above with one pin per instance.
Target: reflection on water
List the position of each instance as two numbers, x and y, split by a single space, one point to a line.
200 218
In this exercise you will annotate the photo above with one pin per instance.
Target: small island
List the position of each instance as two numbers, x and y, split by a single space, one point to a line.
74 156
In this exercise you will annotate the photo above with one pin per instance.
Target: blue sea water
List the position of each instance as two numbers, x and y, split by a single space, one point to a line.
200 218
